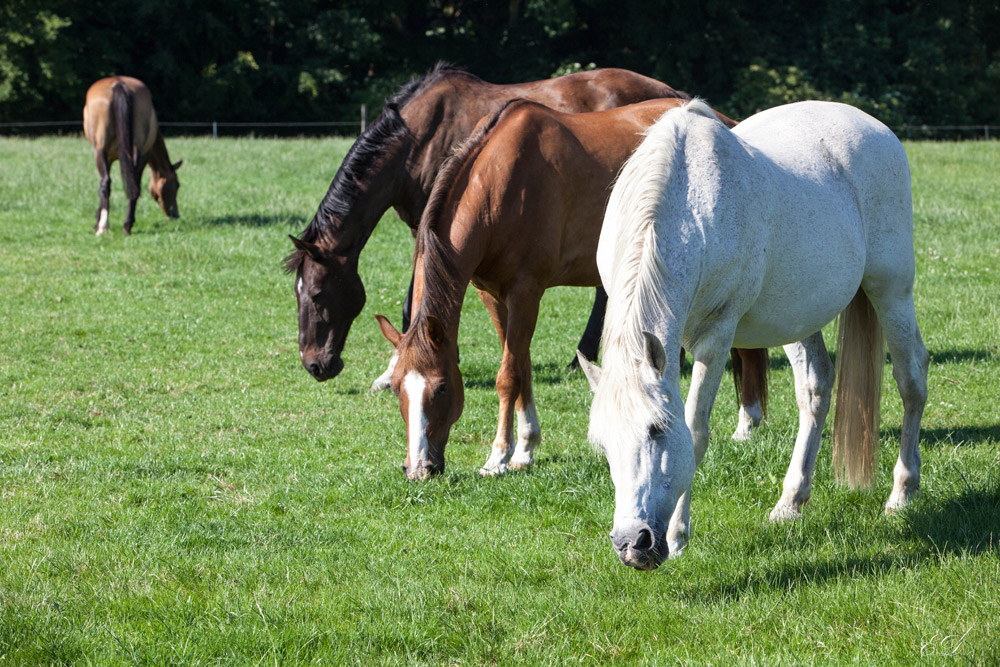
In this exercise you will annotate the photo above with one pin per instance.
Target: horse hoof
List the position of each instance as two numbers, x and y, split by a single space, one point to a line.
493 471
785 512
381 383
900 500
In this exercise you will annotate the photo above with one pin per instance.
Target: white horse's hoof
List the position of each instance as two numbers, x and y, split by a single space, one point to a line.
785 512
521 461
900 500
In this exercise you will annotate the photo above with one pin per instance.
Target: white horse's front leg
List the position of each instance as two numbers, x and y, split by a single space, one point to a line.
813 384
706 374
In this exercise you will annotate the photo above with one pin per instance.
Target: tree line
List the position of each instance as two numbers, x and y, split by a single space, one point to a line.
905 61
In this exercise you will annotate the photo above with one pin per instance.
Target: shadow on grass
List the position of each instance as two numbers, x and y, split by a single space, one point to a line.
256 220
966 436
478 376
967 523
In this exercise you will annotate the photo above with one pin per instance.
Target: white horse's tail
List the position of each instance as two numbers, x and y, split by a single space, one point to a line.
860 361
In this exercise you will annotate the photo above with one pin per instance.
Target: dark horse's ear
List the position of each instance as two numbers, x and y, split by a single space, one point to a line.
435 332
310 249
177 165
388 330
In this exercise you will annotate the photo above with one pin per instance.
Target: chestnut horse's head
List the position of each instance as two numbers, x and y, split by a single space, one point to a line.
330 295
163 187
429 386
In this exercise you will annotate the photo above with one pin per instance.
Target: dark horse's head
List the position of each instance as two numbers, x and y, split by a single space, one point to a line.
330 295
163 187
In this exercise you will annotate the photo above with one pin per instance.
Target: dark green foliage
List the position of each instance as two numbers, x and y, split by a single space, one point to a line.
906 61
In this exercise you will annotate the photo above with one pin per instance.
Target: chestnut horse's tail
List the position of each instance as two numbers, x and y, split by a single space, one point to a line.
122 108
751 376
860 362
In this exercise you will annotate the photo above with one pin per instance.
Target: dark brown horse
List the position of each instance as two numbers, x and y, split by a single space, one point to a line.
517 210
120 123
394 163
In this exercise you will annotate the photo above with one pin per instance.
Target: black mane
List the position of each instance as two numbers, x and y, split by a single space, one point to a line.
363 156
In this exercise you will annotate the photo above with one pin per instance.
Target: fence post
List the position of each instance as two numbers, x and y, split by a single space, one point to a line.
364 117
215 130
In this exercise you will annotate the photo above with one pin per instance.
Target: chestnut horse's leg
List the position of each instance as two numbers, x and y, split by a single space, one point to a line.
130 214
514 383
752 390
590 343
813 385
103 191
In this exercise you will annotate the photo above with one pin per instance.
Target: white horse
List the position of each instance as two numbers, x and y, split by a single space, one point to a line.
752 237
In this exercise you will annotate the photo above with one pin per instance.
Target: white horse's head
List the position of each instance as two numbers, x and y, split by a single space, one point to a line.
637 420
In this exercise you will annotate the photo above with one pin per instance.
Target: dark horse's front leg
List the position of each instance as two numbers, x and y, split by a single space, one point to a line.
103 193
590 343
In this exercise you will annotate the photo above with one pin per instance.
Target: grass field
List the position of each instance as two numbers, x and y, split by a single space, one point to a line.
176 489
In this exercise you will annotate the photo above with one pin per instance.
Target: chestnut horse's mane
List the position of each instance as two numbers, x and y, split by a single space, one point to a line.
363 156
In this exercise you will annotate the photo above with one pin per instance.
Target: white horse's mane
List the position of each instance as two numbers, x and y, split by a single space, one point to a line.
638 279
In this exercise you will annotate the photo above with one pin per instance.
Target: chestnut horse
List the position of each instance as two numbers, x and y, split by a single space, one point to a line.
516 210
120 123
393 164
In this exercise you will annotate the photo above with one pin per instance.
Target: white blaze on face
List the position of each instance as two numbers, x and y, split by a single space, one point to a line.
102 223
298 287
414 385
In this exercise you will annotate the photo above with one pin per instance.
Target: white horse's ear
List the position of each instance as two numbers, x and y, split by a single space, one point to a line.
655 355
592 371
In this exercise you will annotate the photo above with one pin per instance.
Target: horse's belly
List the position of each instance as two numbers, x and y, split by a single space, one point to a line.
806 288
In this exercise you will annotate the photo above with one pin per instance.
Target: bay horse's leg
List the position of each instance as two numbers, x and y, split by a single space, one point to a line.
103 192
753 391
514 386
898 319
706 374
590 343
814 376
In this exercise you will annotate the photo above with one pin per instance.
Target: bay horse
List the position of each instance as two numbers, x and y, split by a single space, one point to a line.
755 236
120 123
393 164
516 210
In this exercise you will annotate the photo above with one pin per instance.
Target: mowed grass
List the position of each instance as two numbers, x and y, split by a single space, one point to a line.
176 489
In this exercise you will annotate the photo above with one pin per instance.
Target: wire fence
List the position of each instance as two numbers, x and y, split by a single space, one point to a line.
358 126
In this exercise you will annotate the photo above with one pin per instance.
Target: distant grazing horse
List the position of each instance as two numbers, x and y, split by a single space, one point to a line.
756 236
517 210
120 123
393 163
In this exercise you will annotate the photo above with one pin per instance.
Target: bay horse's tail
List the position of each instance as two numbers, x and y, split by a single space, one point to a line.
122 106
751 376
860 362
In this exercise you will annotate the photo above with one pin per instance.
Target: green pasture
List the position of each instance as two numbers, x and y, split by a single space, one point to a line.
176 489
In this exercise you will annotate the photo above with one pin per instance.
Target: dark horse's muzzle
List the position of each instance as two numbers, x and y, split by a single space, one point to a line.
321 370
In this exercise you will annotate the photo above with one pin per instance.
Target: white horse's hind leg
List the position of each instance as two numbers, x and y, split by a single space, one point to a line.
709 365
814 376
909 369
